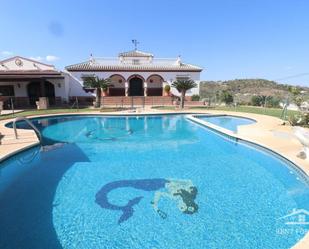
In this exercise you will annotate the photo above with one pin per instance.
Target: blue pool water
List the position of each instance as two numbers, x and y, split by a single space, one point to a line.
146 182
228 122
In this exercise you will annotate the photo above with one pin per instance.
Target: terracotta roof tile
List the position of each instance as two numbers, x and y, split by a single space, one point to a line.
94 66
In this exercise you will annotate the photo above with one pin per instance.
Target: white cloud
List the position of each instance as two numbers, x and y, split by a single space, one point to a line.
52 58
36 58
6 53
49 58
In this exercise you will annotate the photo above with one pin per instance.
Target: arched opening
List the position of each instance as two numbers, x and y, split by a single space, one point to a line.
38 89
155 85
118 85
136 86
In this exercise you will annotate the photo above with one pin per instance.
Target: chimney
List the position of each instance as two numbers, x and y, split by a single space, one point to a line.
179 60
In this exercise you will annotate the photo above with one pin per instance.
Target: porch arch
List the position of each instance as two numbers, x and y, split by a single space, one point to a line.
136 76
155 76
115 78
118 85
43 88
136 85
155 85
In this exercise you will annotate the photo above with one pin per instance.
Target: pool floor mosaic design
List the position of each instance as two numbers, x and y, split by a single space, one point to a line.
181 191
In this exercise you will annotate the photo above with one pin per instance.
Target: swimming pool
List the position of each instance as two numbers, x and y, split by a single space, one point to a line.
146 182
226 121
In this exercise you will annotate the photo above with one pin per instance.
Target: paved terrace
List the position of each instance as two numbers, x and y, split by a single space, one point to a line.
267 131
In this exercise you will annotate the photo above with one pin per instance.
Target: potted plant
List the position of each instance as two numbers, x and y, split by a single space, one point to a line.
167 90
105 89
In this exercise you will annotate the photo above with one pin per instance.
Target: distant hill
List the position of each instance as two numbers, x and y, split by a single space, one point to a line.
244 89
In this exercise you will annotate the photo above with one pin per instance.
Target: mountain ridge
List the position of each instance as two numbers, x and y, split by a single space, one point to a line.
244 89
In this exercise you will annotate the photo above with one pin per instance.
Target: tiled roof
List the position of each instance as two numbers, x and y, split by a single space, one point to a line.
97 66
135 53
21 65
24 58
32 72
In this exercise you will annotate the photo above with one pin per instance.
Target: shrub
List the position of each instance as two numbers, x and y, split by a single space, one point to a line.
298 100
256 100
273 102
243 102
167 88
260 100
299 120
226 97
195 97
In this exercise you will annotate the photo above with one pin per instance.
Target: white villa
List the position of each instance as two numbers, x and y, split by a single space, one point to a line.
25 80
133 73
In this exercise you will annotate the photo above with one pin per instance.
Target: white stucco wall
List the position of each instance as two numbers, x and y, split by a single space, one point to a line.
76 84
22 65
25 65
20 87
19 91
60 88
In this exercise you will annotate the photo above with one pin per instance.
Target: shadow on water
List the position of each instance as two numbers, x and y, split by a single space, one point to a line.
41 123
26 203
27 190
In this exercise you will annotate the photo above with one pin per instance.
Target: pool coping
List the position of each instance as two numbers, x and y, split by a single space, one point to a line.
224 115
28 138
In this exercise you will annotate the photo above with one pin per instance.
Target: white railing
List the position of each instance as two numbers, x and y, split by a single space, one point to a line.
37 132
116 61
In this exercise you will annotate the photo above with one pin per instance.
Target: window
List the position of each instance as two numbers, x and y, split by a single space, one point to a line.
7 91
182 77
135 62
87 75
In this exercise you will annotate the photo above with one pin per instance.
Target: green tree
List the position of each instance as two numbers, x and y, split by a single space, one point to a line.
273 102
296 95
256 100
294 90
266 101
99 85
182 87
226 97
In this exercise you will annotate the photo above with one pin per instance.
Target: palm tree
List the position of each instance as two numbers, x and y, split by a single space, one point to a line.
99 85
182 87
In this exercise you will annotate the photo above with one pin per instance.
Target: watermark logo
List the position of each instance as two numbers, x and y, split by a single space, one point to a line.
296 217
296 222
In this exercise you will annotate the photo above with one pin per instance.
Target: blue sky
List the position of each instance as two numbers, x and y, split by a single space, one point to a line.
228 38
